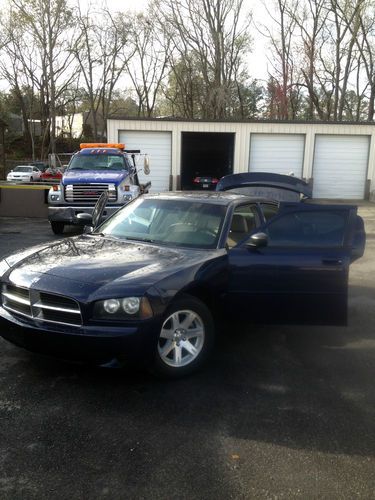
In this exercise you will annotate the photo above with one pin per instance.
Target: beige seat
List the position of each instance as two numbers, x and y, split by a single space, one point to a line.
238 230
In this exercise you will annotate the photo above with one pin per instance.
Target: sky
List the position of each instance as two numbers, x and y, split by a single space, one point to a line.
257 61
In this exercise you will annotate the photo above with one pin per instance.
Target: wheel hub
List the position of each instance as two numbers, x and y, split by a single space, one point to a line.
179 334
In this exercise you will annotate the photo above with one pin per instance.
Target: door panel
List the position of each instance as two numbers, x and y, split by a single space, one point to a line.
301 276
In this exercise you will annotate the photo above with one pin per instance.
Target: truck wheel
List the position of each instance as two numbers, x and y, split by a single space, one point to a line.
57 227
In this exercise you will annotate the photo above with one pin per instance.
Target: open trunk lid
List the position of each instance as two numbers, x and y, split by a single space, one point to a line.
266 185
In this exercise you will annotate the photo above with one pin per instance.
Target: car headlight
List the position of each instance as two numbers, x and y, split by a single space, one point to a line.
122 308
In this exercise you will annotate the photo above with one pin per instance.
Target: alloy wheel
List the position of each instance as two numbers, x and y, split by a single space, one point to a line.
181 338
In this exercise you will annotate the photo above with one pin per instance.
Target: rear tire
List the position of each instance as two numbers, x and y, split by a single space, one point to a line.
185 339
57 227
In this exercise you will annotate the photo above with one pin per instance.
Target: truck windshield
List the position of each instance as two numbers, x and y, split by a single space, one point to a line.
97 162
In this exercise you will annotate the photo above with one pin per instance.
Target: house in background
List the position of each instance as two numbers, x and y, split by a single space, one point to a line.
78 124
16 125
3 126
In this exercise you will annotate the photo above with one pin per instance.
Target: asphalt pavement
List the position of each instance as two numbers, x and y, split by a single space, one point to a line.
279 412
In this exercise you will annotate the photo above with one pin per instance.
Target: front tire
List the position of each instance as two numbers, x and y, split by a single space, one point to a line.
185 339
57 227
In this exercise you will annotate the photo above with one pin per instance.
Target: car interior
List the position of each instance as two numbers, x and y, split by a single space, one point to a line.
243 223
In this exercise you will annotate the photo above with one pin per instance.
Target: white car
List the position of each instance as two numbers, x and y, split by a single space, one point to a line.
25 173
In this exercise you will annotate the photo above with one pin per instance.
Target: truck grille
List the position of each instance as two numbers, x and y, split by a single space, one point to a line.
76 193
41 305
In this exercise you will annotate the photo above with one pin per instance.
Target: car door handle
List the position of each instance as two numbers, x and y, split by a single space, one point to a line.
332 262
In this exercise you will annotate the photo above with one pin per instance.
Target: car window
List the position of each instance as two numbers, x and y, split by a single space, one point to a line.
308 229
269 210
243 223
172 222
23 169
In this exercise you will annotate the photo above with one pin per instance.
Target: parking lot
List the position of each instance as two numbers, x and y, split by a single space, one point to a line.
279 412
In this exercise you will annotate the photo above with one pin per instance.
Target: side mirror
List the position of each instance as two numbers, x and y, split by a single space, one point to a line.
146 165
97 213
88 230
86 218
257 240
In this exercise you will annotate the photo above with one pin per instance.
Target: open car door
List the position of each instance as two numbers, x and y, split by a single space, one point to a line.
300 272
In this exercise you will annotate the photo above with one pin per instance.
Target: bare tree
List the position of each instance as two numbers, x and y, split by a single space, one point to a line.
215 34
281 33
47 23
102 52
310 17
147 68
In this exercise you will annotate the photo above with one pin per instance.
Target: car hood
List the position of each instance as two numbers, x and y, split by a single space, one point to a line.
87 176
100 261
266 185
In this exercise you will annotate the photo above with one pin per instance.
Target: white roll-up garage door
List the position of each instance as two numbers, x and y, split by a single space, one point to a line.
340 166
158 146
278 153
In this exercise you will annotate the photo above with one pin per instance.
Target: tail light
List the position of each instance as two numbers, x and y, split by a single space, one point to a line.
214 180
197 180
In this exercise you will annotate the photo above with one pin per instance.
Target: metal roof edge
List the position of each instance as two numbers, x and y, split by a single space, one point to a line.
231 120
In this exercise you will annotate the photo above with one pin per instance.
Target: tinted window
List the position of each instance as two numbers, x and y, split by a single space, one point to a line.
269 210
308 229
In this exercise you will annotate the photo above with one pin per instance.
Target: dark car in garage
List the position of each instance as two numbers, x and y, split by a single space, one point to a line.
205 181
152 282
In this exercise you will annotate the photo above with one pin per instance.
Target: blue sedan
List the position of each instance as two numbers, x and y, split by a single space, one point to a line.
151 282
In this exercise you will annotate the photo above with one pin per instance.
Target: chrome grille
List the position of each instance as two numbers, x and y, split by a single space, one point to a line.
76 193
41 305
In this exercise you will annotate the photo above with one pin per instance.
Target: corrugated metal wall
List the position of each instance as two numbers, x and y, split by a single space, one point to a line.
243 131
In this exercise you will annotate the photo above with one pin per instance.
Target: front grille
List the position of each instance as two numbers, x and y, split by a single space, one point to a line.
41 305
78 193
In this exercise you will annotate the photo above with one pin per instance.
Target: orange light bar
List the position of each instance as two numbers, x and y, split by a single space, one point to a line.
85 145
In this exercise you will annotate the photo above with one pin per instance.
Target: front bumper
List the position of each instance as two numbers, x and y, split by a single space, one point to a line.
68 214
136 342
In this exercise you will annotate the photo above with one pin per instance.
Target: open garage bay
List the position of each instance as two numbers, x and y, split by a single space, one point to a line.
205 154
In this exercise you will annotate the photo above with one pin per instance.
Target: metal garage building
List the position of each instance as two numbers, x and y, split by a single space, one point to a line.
338 159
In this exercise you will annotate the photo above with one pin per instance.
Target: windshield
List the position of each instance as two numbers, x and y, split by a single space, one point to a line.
171 222
23 169
97 162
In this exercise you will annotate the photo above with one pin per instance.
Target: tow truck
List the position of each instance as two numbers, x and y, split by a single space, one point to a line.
94 169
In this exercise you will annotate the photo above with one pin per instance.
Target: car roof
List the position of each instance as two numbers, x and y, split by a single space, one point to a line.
216 197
